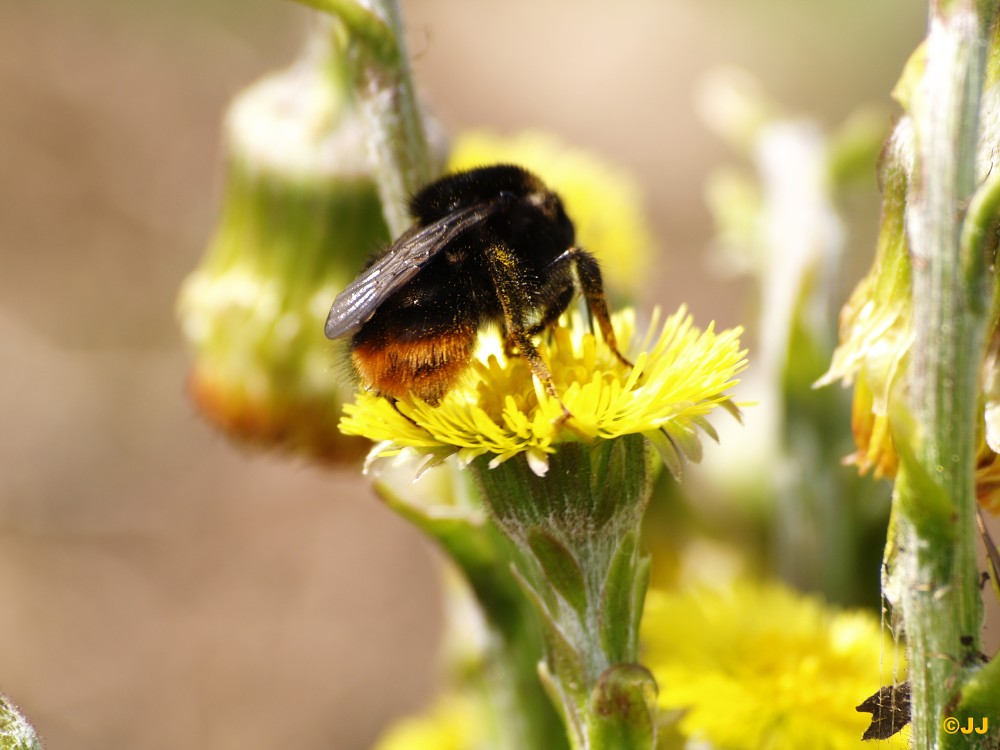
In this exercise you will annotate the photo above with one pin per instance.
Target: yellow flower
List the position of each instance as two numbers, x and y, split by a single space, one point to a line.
680 375
451 724
604 203
871 428
761 667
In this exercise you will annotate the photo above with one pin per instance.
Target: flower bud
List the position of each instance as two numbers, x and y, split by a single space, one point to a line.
299 215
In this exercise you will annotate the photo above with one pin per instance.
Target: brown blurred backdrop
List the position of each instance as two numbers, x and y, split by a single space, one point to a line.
161 588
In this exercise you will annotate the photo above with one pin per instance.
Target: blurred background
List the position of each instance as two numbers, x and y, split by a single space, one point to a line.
163 588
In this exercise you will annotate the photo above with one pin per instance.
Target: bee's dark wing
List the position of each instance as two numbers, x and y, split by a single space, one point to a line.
411 252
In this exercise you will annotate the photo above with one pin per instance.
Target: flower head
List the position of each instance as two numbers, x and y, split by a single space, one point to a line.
681 374
758 666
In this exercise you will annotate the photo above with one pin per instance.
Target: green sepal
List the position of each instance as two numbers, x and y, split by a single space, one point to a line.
732 409
609 496
688 440
705 426
591 493
669 452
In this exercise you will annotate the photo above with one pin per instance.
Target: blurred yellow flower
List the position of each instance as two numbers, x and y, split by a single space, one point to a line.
680 375
451 724
872 437
603 201
759 666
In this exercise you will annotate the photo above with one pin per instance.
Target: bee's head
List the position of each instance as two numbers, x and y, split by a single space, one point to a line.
513 185
551 207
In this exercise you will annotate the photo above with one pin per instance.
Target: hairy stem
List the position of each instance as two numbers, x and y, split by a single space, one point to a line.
935 493
397 142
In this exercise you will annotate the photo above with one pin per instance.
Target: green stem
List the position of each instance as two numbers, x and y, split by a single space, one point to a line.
935 493
397 141
364 25
576 532
522 718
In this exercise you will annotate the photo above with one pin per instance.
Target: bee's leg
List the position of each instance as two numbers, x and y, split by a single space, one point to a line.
514 303
395 405
551 315
588 271
552 312
526 348
509 347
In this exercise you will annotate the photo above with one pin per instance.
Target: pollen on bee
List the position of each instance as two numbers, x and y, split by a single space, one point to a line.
427 367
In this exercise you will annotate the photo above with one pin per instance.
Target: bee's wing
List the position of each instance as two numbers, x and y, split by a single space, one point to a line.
411 252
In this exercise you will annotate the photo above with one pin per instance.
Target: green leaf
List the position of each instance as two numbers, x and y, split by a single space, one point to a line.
475 545
919 496
560 569
564 703
618 636
565 660
908 84
640 584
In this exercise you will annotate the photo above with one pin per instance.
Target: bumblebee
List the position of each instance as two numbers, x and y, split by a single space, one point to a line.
490 246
